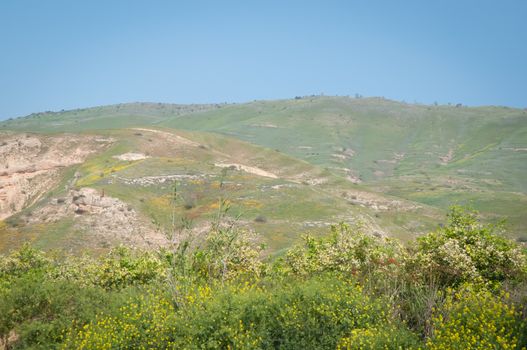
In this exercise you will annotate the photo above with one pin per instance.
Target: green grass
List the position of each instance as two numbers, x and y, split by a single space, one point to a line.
394 148
103 117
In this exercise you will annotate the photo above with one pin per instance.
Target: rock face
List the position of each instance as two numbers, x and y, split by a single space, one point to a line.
110 219
30 165
248 169
131 156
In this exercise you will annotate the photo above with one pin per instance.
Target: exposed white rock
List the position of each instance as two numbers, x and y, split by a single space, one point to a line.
130 156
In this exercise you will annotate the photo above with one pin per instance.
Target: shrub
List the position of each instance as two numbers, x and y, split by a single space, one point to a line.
348 290
346 250
123 267
474 318
143 322
228 253
379 338
312 314
260 219
465 250
40 308
22 261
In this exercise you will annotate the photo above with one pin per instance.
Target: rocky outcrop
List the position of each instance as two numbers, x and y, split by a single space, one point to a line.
30 165
108 218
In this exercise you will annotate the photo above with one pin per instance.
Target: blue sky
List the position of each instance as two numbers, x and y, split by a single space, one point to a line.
67 54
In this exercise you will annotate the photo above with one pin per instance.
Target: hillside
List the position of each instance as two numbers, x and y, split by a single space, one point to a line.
285 167
103 117
434 155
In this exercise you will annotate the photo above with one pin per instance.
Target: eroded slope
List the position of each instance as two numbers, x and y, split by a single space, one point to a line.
31 165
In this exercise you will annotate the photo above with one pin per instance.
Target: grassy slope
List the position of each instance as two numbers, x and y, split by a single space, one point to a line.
396 147
103 117
393 147
288 204
375 129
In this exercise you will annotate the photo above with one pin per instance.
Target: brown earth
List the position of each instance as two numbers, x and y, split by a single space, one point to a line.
30 165
108 218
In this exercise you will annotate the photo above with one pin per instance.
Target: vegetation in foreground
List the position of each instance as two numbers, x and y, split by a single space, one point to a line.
463 286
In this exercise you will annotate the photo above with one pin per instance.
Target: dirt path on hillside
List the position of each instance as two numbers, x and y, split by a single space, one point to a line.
248 169
177 138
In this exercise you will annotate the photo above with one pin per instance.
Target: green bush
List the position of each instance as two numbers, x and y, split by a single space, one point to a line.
123 267
39 309
347 250
144 322
312 314
475 318
22 261
348 290
379 338
228 253
466 250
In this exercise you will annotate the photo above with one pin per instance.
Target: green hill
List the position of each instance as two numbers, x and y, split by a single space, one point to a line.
436 155
293 166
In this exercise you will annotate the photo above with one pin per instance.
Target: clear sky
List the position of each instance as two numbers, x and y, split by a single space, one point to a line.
67 54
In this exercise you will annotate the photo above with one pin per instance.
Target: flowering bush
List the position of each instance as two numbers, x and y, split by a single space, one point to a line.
345 250
145 322
474 318
466 250
311 314
227 253
124 267
348 290
388 338
21 261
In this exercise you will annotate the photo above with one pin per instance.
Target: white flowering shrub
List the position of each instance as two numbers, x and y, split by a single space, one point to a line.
347 250
228 253
466 250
